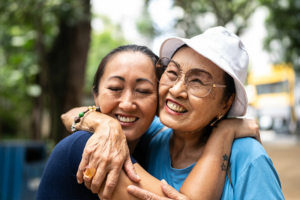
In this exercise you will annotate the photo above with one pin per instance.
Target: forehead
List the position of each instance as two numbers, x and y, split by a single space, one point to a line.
125 63
188 58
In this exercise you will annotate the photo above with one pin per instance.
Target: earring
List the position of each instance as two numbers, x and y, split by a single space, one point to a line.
213 124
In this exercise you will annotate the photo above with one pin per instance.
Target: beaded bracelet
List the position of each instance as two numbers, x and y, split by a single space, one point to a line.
78 118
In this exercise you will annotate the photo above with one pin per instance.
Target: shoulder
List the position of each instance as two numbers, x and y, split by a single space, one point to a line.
252 170
247 146
71 148
154 127
244 153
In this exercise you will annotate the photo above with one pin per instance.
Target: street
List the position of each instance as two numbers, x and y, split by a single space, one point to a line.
284 150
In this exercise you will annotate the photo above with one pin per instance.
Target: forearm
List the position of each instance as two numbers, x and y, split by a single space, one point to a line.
90 122
68 117
148 182
206 180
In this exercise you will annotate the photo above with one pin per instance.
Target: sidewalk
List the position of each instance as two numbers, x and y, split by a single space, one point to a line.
284 150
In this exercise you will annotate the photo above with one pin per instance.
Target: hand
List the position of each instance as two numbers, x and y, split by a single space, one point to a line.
242 127
106 151
146 195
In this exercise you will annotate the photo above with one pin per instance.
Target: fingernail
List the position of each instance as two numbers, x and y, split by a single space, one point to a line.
163 182
130 188
78 181
138 177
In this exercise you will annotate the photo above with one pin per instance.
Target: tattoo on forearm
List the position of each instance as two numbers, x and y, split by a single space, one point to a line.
225 157
223 166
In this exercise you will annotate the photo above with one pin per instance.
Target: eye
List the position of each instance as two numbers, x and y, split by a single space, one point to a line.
196 81
144 91
115 89
171 72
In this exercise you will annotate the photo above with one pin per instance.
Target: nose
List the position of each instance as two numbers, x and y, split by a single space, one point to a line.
127 102
179 89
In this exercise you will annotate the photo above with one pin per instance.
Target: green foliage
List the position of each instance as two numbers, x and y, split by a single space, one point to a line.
283 25
101 44
146 26
202 14
199 15
27 31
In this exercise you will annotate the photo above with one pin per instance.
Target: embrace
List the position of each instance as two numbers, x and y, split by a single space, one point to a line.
167 128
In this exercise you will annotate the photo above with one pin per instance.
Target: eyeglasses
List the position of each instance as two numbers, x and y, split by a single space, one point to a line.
199 82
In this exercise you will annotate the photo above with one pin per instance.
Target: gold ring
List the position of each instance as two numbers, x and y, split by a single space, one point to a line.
89 171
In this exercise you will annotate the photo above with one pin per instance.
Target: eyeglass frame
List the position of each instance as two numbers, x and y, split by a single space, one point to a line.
179 76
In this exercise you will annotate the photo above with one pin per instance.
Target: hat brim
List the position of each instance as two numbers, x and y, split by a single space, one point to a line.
239 106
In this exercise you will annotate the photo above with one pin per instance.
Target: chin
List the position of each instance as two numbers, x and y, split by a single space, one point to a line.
132 135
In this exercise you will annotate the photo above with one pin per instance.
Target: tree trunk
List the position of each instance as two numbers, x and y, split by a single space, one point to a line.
66 66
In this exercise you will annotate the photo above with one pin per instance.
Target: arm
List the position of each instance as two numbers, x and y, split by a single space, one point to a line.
208 175
148 182
106 150
209 165
206 180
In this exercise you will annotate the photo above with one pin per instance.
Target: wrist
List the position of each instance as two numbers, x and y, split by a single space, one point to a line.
224 130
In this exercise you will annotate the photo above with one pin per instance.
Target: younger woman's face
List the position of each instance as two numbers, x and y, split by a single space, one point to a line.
128 92
182 111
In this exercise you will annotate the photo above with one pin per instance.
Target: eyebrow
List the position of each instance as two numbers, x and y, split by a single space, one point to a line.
118 77
137 80
143 79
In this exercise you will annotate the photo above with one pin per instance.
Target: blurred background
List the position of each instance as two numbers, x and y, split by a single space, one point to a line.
50 50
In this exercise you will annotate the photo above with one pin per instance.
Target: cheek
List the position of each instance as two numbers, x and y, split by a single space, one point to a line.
107 102
163 91
148 106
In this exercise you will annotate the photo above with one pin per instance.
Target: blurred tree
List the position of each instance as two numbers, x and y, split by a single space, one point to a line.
283 26
43 54
193 17
101 44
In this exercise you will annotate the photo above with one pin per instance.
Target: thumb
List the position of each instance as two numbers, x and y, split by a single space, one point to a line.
129 168
169 190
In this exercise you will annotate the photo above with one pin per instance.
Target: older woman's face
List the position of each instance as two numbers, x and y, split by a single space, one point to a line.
128 92
199 112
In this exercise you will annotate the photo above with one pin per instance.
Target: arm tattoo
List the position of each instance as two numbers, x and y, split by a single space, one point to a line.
225 157
223 166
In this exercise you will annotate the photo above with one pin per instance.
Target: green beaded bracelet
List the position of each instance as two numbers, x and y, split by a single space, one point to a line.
81 114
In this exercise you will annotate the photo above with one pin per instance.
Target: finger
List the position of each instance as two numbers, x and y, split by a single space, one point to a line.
143 194
111 182
171 192
130 170
87 181
98 179
84 162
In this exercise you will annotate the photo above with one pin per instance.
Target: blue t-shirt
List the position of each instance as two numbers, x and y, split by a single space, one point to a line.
59 176
253 175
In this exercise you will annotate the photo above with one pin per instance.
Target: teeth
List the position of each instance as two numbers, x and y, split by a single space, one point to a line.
126 119
175 107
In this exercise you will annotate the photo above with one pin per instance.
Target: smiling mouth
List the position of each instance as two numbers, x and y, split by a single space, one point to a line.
127 119
175 107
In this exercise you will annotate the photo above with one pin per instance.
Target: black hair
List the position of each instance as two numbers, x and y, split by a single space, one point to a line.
131 47
229 90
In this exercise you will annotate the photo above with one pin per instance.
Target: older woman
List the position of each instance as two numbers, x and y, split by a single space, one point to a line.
201 82
124 87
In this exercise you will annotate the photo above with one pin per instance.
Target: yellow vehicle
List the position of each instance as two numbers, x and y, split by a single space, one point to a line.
274 98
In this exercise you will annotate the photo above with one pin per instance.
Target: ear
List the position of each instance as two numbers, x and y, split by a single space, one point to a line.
95 98
228 104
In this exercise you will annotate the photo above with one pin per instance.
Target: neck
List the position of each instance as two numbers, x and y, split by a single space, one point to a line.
186 148
132 145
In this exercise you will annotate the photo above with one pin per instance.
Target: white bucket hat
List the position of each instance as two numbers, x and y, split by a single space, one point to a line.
227 51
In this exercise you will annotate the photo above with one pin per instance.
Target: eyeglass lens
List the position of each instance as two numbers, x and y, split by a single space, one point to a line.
199 82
